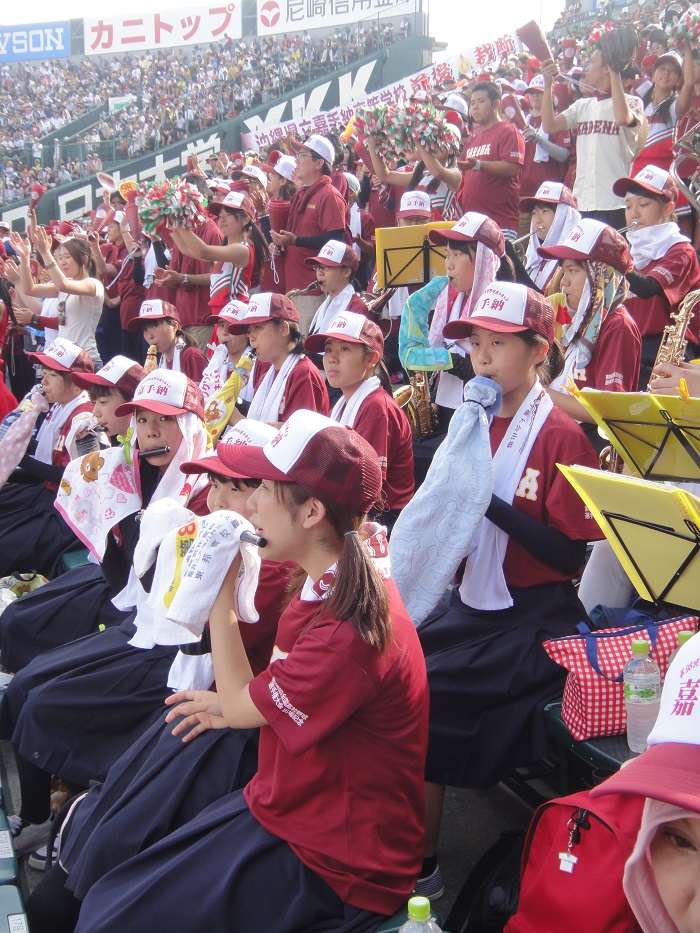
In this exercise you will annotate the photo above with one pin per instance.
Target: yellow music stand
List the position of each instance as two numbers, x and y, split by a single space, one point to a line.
658 436
653 528
405 255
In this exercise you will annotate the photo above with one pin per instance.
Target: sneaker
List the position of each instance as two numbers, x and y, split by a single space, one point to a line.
39 859
28 837
432 886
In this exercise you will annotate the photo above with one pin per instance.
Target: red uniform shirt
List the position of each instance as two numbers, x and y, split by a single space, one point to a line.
192 363
494 195
545 495
319 208
677 273
305 388
340 765
113 256
536 173
614 366
270 600
132 295
385 426
192 301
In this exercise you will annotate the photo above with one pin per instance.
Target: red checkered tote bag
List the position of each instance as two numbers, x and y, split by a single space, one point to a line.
593 703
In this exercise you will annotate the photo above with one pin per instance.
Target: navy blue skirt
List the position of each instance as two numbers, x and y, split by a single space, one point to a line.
220 872
74 710
33 534
490 680
73 605
156 787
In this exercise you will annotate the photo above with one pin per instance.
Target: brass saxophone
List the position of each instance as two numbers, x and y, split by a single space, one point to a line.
674 341
295 292
415 400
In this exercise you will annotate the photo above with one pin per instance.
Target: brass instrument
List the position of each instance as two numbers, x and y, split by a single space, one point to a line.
674 341
688 150
377 301
416 402
295 292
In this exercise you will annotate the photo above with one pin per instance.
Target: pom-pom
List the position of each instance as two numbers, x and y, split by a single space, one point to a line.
687 29
167 204
396 129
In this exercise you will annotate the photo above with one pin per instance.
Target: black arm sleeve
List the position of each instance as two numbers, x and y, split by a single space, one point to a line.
461 367
45 471
319 239
137 272
644 286
547 544
159 250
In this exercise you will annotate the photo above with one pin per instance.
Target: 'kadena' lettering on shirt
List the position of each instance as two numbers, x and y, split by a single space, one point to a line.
279 698
601 127
477 151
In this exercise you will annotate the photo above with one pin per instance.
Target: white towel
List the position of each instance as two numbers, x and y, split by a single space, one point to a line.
268 397
436 529
191 672
346 412
192 563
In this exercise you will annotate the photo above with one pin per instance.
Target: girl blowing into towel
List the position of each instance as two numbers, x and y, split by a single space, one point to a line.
517 587
334 814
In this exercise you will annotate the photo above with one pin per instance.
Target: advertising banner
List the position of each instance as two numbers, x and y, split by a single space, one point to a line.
163 29
33 42
276 17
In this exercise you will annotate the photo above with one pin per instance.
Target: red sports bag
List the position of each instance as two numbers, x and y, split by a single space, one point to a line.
572 865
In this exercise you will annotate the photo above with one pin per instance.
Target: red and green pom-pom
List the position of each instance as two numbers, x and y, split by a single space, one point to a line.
167 204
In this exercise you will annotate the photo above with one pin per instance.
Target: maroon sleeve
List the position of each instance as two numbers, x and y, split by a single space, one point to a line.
385 426
193 363
332 210
510 146
677 273
305 389
617 354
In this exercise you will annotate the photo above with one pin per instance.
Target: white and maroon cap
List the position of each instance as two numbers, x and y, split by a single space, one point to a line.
415 204
165 392
537 84
321 146
120 373
230 313
245 433
668 769
265 306
653 179
507 308
351 327
219 184
326 458
64 356
284 166
456 102
235 201
420 96
595 241
154 309
475 227
335 253
252 171
549 192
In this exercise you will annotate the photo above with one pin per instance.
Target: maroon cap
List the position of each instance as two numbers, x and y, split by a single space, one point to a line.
350 327
473 227
655 180
334 254
152 310
120 373
595 241
64 356
549 192
263 307
166 392
507 308
235 201
330 460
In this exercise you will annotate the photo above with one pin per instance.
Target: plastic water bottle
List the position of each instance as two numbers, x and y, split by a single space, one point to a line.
682 638
419 917
642 680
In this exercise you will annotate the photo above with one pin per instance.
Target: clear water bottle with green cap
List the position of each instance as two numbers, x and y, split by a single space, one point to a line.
419 917
642 680
682 638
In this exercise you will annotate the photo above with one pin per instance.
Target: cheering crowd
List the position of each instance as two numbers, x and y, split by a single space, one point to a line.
313 505
174 93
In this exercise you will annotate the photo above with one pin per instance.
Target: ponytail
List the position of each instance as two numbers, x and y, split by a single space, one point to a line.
181 334
261 250
358 595
553 364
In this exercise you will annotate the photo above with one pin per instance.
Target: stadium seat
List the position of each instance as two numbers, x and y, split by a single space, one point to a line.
8 861
12 916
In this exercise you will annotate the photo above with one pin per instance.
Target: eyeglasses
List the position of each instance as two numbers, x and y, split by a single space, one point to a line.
304 155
